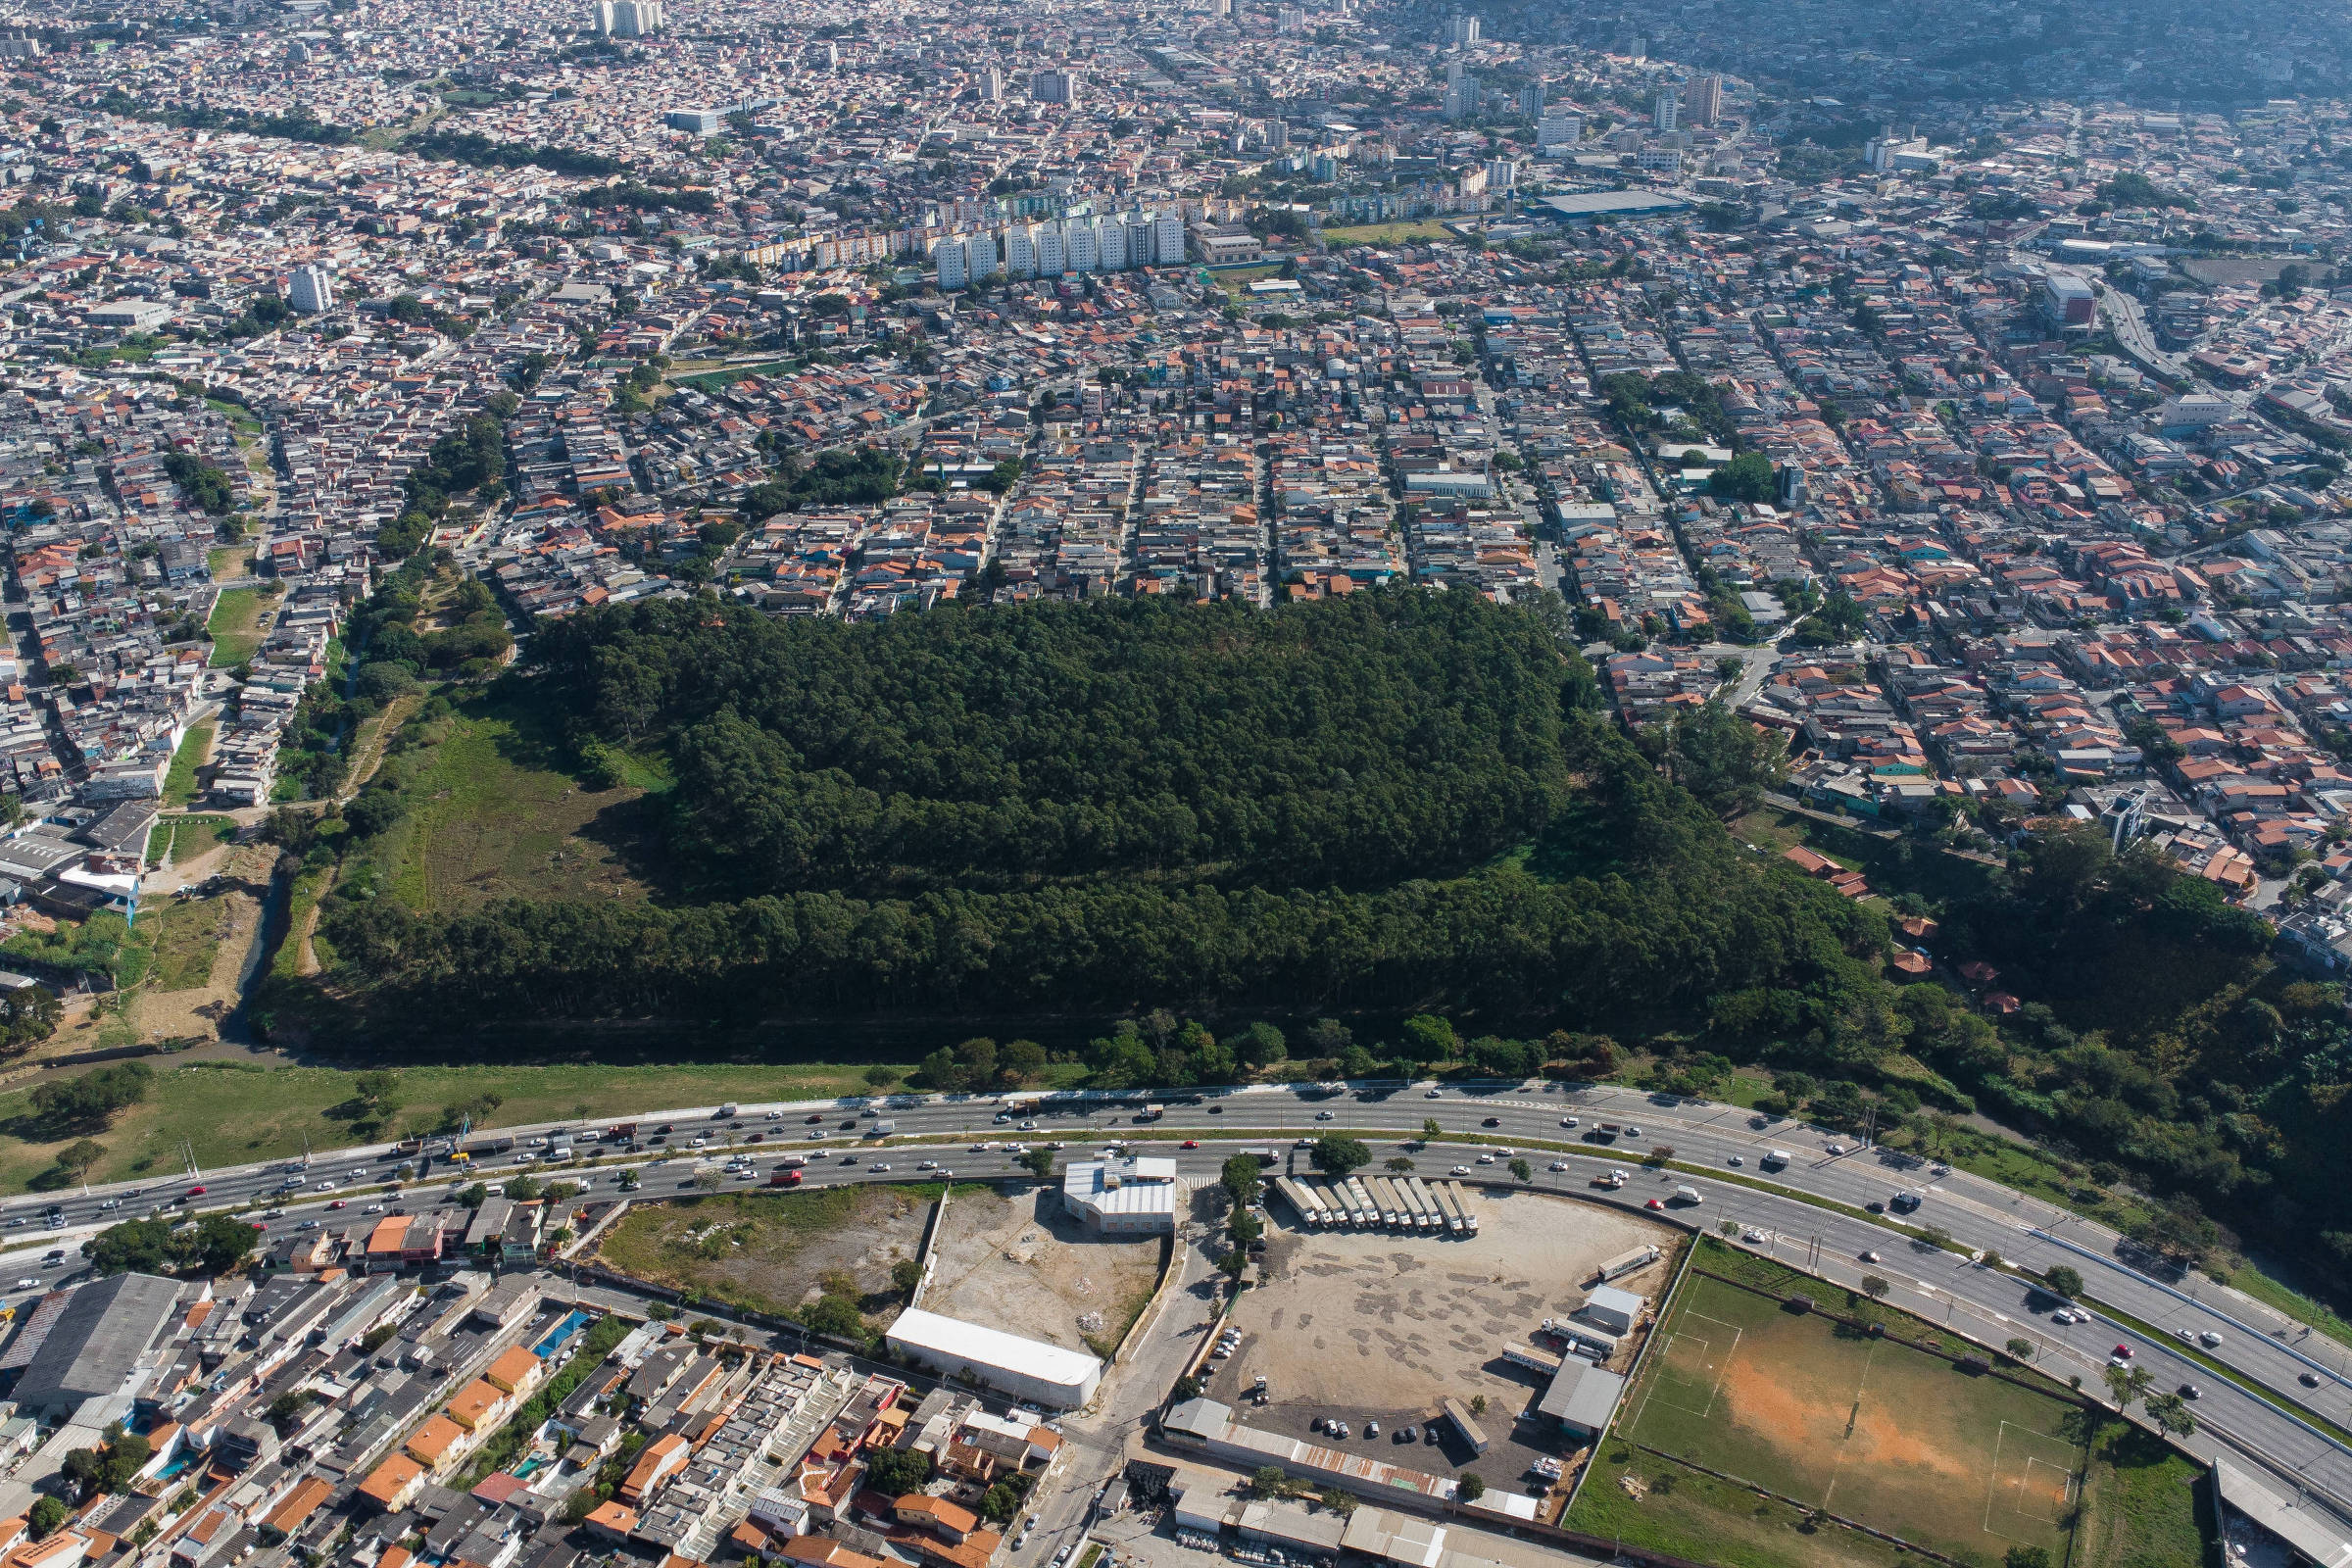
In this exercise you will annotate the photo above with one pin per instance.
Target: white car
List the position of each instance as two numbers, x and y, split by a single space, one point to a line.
326 1187
1753 1237
372 1208
2068 1314
2209 1339
1461 1170
1558 1165
1869 1256
1832 1149
1570 1121
1326 1115
775 1115
1633 1131
877 1165
28 1285
1433 1094
1486 1160
928 1165
1737 1161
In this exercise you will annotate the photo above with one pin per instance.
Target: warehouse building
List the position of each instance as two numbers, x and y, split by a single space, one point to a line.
1582 1398
1122 1197
1027 1369
95 1343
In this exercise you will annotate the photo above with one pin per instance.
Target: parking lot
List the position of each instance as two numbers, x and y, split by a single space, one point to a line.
1375 1329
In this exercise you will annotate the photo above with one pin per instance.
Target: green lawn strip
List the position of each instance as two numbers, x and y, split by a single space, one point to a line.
237 1114
2196 1353
235 625
180 784
1705 1520
184 838
2284 1298
2143 1506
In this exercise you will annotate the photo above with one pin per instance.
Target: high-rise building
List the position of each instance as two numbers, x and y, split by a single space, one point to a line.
1669 112
1110 246
980 256
1220 8
634 19
1020 251
1055 86
991 85
1167 239
310 291
1052 260
1461 99
1278 135
1706 100
1531 100
1559 128
603 17
948 257
1461 30
1501 173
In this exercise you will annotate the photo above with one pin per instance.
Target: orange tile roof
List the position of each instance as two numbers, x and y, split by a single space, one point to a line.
431 1443
516 1369
476 1403
385 1483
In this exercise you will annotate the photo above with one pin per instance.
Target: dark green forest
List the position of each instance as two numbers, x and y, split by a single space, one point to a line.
1392 801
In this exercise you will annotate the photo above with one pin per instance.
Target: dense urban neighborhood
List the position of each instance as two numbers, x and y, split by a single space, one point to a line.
1654 712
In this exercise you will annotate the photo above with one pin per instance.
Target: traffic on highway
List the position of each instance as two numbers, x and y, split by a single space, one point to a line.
2266 1390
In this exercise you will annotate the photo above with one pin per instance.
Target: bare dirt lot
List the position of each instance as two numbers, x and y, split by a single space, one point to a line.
1015 1261
773 1252
1367 1327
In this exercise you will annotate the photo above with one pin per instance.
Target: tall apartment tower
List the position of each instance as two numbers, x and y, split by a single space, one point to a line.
310 291
1531 100
1669 113
991 85
1054 86
1461 30
1706 100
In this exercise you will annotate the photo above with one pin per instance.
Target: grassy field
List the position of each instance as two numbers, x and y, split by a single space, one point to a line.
773 1251
233 1113
179 783
224 562
1236 283
2144 1505
187 936
235 626
1868 1428
104 943
493 815
1423 232
728 375
187 837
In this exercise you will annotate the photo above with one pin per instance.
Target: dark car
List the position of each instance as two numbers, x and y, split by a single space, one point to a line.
1492 1121
849 1126
1216 1110
813 1119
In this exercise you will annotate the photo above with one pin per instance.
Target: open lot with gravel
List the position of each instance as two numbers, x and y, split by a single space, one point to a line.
1367 1327
1011 1258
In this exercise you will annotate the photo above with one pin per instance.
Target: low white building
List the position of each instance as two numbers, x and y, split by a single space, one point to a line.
1027 1369
1122 1197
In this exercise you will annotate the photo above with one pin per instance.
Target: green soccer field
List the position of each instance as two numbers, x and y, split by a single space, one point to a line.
1868 1429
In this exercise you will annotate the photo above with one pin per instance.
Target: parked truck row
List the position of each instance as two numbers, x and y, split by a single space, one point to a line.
1379 1203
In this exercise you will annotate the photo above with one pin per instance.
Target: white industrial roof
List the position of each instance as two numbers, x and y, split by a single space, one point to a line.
993 1348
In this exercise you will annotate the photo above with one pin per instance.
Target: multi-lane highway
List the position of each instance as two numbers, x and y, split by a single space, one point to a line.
2282 1392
